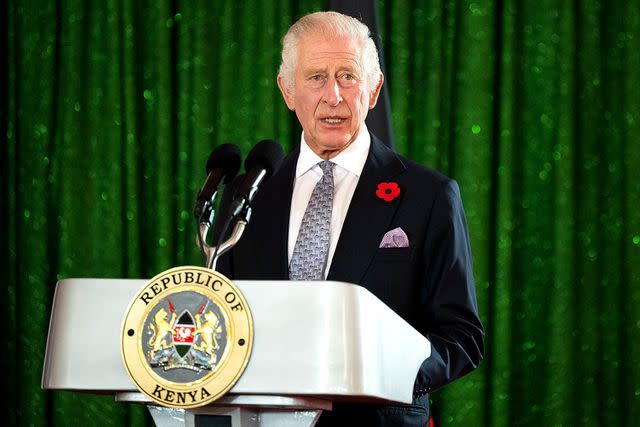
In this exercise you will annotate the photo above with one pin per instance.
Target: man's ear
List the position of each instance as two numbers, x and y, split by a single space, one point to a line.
373 99
286 94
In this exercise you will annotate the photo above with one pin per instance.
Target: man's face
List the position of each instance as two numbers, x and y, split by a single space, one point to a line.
331 96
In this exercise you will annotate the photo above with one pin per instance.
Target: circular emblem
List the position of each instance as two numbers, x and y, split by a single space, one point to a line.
186 337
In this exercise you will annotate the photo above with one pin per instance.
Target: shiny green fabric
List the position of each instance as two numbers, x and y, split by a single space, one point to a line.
110 110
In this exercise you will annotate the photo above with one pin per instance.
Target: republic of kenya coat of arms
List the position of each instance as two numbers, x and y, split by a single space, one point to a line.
186 341
186 337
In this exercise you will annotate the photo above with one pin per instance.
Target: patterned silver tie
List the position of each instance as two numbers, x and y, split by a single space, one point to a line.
309 257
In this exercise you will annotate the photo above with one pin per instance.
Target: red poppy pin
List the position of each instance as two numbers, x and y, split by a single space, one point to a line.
388 191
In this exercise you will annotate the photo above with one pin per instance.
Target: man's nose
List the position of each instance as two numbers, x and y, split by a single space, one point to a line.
332 94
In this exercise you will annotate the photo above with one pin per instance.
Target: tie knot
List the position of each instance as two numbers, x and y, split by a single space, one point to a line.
327 167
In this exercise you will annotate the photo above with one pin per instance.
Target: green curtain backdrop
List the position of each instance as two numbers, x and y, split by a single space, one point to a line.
110 110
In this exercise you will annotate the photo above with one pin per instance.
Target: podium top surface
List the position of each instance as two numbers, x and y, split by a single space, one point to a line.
330 339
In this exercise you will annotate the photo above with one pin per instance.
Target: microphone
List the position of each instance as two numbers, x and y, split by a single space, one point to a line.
223 163
263 160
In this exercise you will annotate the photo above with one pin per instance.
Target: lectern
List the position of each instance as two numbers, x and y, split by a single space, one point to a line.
315 343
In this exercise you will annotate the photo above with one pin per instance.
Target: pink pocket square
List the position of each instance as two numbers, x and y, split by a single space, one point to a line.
395 238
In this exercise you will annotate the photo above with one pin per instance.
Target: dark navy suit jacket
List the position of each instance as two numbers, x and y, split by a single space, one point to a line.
430 283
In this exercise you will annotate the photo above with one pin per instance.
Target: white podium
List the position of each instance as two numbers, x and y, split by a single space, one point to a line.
315 343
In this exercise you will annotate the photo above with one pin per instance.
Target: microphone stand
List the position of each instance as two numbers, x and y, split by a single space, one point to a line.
213 253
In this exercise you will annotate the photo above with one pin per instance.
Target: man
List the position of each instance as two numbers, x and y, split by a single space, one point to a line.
393 226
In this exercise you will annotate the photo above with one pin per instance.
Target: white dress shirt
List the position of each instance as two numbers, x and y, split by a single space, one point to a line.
349 165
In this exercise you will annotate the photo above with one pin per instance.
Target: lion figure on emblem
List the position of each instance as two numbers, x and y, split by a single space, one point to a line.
208 331
162 333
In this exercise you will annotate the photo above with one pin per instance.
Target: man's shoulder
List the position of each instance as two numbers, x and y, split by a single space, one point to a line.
416 172
425 172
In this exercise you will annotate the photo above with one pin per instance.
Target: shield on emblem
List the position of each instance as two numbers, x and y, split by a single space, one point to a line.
183 333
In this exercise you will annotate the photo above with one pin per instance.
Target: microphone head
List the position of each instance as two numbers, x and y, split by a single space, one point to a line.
226 157
266 154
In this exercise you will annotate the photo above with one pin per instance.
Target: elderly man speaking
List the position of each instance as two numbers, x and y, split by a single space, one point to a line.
345 207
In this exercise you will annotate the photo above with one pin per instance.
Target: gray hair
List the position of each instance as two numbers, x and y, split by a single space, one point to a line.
334 24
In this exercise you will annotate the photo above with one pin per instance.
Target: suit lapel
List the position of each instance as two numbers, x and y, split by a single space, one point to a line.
274 228
368 217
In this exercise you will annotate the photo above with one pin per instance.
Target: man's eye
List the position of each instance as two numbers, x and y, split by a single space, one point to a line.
347 79
316 80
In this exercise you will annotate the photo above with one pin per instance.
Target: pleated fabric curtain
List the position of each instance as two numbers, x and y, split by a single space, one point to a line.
110 110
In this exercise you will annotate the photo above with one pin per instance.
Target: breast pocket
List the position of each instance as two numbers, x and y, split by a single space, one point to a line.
390 276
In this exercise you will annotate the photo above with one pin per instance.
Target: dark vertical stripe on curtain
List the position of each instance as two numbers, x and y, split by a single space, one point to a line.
53 177
517 407
178 182
628 357
576 164
493 231
7 357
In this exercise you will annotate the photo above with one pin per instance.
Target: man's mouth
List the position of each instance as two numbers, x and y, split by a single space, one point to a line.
333 120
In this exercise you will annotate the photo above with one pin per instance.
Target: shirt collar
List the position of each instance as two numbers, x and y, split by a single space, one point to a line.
351 158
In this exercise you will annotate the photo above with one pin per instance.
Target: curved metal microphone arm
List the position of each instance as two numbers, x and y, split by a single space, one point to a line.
238 229
206 250
213 253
